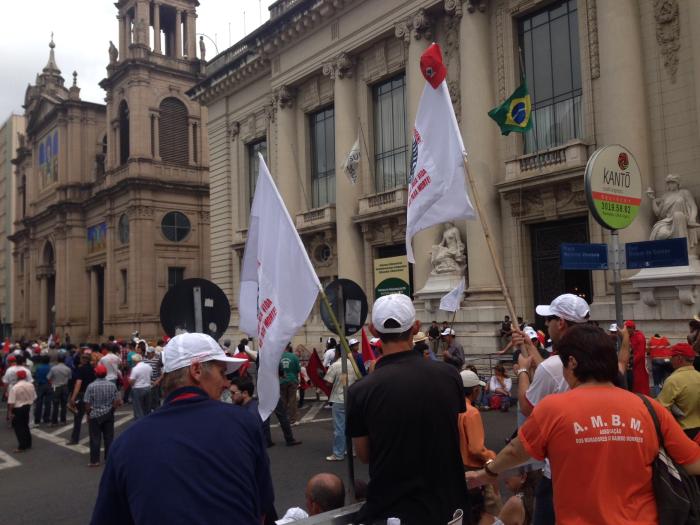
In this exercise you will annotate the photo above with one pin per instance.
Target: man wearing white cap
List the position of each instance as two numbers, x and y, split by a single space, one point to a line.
565 311
410 480
180 464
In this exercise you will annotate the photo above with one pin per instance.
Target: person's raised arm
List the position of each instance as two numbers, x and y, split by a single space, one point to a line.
623 356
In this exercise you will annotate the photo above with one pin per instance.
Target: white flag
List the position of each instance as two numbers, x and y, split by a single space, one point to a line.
351 166
436 187
278 284
450 301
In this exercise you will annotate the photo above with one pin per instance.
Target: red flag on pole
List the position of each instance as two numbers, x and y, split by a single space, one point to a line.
315 369
367 353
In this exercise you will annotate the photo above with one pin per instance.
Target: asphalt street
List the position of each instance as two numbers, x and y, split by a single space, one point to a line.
53 484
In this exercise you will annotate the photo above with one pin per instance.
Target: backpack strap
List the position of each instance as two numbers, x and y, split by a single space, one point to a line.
652 412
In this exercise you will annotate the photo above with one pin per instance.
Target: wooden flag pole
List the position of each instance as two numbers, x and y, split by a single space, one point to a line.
489 242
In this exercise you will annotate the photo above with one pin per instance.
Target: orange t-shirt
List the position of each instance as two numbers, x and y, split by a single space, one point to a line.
471 438
659 347
601 442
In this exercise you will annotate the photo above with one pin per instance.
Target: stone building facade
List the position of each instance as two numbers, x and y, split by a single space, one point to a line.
113 201
10 133
321 73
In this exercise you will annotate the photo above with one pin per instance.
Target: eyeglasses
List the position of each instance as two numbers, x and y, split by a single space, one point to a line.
551 318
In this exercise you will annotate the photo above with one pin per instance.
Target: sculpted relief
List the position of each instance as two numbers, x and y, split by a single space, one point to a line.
677 213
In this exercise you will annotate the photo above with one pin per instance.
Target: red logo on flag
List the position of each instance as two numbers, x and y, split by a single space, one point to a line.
432 67
623 161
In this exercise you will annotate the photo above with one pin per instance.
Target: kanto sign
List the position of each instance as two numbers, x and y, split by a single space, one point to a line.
613 187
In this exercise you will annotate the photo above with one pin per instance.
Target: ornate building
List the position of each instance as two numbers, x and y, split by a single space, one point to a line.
113 201
10 133
322 73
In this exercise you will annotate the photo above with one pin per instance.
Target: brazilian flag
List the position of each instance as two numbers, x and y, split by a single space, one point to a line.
515 114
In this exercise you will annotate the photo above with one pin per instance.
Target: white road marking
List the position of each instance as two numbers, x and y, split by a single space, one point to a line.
302 422
117 423
61 442
311 414
7 461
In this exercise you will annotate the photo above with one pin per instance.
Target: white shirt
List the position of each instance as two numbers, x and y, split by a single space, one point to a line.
333 375
21 394
111 362
548 379
494 384
10 377
328 357
141 375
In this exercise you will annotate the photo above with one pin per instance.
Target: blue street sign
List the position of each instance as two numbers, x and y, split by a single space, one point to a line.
657 254
574 256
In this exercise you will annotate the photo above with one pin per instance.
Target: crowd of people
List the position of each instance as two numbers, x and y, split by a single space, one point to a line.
411 408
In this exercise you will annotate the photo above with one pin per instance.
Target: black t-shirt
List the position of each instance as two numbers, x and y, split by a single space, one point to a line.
85 373
408 408
434 332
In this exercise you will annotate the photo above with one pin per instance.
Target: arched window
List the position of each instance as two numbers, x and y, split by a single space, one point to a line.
173 130
124 229
123 132
175 226
48 257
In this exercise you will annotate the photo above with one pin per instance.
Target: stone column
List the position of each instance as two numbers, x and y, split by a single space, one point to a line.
695 39
191 139
350 250
287 179
417 34
43 305
178 34
481 142
93 302
122 37
191 35
622 116
156 27
156 136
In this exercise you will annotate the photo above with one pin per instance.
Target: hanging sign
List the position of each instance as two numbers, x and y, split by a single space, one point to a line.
613 184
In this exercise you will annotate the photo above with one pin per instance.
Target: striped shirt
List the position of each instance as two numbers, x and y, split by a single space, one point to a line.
156 365
100 395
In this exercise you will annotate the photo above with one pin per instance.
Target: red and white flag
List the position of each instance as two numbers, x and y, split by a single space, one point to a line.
278 284
436 188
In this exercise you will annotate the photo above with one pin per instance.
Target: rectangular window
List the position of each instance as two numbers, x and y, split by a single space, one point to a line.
550 45
175 275
322 127
390 134
254 165
125 287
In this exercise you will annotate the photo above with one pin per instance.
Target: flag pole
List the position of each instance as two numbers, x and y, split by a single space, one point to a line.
346 356
489 242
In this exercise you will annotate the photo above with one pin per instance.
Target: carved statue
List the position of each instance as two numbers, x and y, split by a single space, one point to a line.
202 48
676 211
113 53
448 256
22 139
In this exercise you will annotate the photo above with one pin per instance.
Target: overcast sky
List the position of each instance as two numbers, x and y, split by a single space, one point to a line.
82 31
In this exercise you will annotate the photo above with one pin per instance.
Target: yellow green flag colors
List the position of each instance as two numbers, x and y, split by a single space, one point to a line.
515 113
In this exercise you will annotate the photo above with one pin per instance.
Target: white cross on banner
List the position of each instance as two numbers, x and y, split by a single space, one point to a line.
278 284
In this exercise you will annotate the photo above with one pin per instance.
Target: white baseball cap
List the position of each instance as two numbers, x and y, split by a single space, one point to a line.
448 331
470 379
567 306
185 349
395 307
352 341
612 327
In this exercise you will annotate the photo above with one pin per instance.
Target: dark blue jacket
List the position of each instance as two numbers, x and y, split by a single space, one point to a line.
195 460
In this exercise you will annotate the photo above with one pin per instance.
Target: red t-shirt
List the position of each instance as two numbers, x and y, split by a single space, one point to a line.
659 348
640 374
601 442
